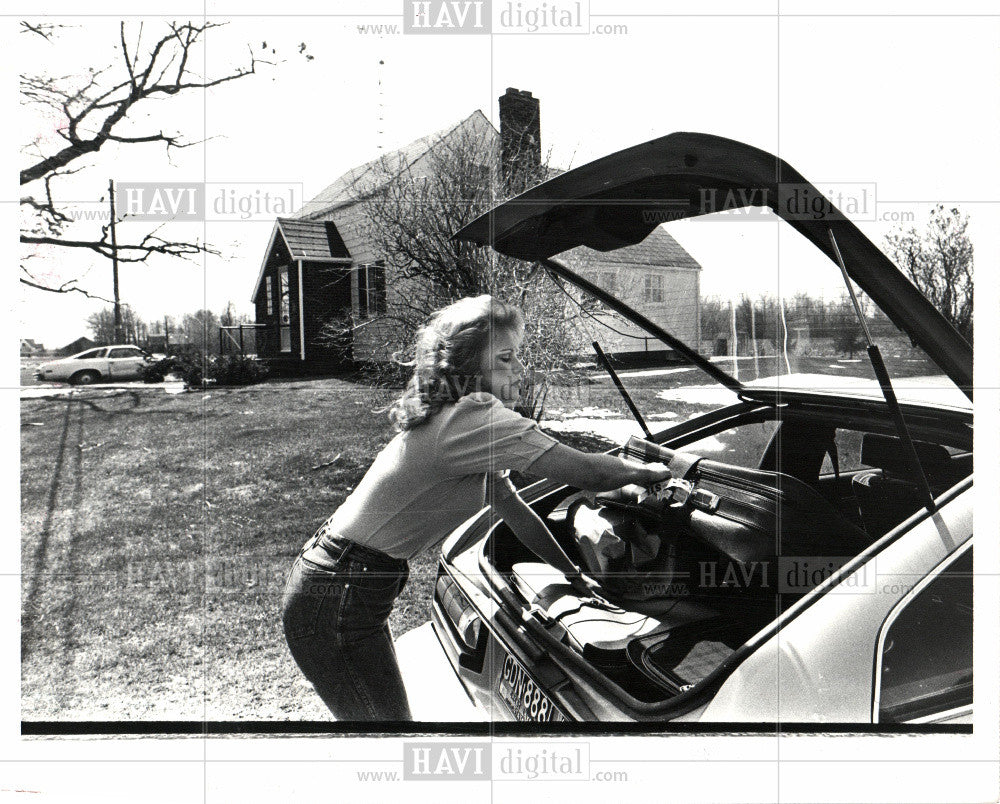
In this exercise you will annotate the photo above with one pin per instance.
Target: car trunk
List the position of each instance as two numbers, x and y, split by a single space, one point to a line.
682 586
622 633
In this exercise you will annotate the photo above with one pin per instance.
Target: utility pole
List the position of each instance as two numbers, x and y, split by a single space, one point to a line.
119 333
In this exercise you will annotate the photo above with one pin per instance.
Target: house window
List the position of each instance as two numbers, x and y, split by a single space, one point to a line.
270 295
284 310
653 289
371 289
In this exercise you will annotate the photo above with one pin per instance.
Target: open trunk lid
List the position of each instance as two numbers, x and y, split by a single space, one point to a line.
618 200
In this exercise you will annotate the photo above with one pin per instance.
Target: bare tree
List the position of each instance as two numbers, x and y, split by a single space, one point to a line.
409 212
102 325
97 107
939 263
201 329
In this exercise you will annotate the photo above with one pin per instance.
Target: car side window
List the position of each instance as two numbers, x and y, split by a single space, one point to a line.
925 652
91 354
848 452
125 353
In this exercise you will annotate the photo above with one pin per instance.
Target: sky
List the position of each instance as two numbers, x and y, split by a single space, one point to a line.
844 103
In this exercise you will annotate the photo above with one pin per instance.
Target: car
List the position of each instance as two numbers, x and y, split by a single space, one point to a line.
103 364
822 571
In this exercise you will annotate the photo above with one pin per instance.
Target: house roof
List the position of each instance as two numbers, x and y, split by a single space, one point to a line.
312 239
658 249
82 342
369 176
305 240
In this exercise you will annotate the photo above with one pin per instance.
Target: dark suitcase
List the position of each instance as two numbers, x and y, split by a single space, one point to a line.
757 522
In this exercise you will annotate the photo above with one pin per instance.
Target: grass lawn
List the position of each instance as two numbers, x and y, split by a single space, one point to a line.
157 531
156 534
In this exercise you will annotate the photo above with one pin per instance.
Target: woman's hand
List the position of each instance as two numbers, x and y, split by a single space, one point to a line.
657 472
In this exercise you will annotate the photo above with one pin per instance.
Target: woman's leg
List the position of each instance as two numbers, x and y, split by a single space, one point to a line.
337 631
376 683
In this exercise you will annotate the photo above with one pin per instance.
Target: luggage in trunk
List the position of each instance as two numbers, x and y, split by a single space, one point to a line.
752 518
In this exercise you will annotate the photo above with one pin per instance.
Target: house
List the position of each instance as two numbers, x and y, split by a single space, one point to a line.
308 277
320 265
658 278
31 349
79 345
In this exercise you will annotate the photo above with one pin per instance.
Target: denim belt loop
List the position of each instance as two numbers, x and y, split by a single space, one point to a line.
313 540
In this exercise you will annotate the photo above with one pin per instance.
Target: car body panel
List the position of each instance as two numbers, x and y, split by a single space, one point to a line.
433 689
927 392
613 202
820 666
126 362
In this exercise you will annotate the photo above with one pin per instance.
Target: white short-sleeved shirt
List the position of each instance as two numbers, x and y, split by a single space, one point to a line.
427 481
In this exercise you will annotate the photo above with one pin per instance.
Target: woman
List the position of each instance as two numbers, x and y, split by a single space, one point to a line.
457 435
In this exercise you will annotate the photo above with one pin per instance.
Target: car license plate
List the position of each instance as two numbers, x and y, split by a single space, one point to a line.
522 695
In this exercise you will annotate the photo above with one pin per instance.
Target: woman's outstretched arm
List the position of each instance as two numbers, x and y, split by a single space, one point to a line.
594 471
528 526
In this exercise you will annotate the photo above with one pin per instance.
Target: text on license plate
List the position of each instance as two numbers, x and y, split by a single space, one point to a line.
523 696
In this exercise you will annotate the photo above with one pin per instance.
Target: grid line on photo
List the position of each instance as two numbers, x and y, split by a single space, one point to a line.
205 511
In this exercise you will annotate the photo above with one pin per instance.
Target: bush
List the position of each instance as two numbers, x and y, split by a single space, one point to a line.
198 370
191 369
158 371
188 367
389 375
236 370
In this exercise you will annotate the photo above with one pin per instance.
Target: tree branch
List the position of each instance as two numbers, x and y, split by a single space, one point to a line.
65 287
145 80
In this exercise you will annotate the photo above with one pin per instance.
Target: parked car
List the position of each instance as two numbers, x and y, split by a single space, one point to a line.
103 364
826 578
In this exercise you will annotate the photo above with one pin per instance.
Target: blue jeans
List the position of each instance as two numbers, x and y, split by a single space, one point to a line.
335 612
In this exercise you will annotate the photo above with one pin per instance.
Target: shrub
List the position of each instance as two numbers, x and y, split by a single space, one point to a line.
191 369
235 370
158 371
187 366
197 370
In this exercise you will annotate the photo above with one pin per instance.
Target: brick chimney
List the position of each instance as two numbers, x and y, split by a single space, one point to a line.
520 138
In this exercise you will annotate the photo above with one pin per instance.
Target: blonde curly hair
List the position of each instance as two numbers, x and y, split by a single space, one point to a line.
447 353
